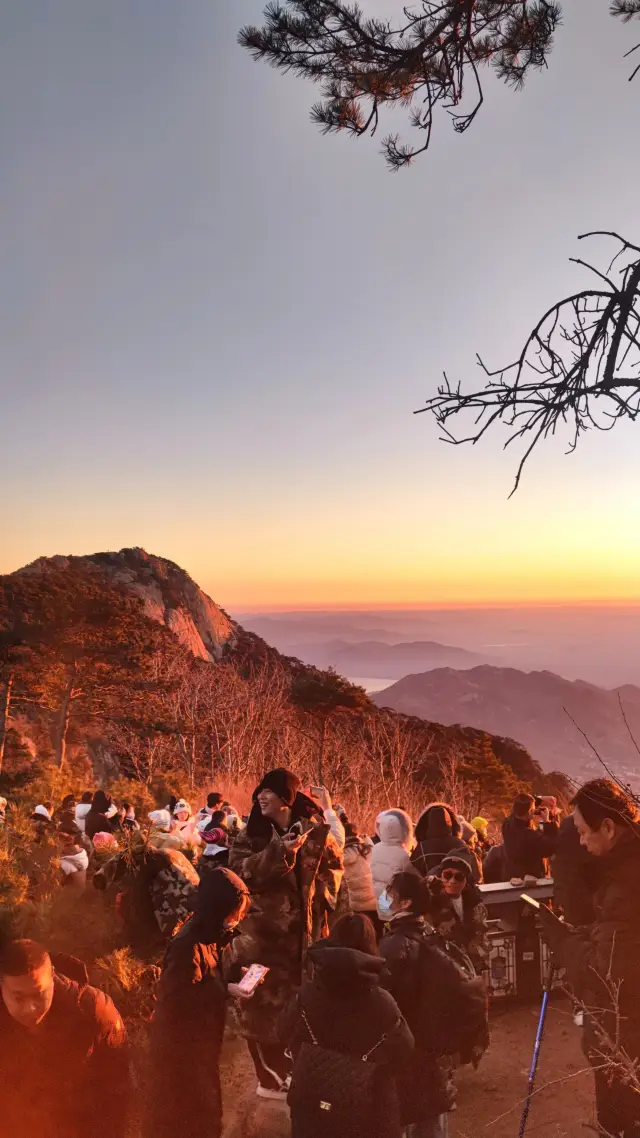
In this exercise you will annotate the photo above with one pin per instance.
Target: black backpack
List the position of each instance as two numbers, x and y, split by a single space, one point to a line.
337 1095
451 998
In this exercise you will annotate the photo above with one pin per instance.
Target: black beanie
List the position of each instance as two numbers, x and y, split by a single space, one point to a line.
282 782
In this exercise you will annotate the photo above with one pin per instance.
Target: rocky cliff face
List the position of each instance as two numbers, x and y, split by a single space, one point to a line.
169 595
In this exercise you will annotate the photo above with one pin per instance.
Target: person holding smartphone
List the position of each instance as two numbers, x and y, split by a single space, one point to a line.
188 1025
530 835
602 958
292 866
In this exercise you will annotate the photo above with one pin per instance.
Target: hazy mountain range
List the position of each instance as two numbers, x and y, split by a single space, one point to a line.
530 707
600 644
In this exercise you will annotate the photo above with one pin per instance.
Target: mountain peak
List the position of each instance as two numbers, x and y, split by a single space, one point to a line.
169 594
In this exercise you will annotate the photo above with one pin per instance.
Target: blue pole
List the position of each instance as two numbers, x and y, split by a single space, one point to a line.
536 1052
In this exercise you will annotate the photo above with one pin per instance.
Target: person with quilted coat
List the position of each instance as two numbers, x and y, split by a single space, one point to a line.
350 1013
292 865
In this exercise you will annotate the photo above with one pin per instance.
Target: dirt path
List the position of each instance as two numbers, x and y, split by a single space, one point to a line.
561 1110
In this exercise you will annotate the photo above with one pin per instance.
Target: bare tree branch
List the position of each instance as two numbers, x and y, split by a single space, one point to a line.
580 366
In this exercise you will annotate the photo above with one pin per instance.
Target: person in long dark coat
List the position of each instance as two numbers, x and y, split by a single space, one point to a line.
188 1025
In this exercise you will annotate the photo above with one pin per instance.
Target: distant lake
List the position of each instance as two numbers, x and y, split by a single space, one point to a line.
370 684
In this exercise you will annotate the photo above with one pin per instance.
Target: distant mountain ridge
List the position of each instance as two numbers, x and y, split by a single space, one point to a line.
378 653
529 706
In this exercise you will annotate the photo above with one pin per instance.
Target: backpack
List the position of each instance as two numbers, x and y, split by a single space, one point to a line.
337 1095
452 999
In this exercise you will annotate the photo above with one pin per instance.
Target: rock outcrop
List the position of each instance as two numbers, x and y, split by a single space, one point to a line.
169 594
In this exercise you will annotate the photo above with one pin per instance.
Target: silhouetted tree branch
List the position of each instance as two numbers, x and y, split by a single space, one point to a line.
580 365
431 55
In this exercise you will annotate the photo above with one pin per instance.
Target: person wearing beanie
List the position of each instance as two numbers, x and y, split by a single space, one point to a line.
184 824
469 927
291 863
189 1020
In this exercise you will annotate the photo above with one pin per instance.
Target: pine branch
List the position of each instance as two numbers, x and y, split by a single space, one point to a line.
431 57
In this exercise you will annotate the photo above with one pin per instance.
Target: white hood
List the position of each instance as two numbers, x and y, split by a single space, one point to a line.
395 828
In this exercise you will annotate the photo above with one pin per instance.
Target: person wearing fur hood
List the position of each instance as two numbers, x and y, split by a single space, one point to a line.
391 854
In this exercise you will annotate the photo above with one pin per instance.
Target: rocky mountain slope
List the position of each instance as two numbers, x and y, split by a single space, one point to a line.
169 595
529 706
120 661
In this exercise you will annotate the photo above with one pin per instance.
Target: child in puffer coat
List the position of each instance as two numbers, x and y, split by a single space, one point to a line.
391 854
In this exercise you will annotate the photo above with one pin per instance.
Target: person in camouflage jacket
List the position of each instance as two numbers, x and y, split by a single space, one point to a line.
293 868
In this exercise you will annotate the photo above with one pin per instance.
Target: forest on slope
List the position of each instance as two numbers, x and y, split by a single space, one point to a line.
119 665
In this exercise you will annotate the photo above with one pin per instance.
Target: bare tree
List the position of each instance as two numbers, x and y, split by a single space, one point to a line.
580 365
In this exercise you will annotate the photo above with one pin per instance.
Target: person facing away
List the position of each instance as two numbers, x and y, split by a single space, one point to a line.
188 1024
391 854
438 833
82 809
357 873
64 1062
527 846
346 1009
215 843
441 998
293 868
602 958
99 817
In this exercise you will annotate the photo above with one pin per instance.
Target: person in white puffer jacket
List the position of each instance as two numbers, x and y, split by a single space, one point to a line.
391 854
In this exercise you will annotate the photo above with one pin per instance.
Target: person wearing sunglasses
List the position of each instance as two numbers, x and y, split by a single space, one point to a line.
469 927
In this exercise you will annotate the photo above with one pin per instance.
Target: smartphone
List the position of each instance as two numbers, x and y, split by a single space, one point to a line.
316 791
252 977
530 900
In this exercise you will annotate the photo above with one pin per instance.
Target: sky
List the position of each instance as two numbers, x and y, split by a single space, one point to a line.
216 324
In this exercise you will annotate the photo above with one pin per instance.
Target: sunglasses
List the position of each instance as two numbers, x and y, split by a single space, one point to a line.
453 875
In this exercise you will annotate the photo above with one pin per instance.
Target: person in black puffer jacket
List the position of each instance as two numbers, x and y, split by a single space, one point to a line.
443 1001
348 1012
437 834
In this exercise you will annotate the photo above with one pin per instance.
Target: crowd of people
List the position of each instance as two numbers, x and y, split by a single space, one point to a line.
356 964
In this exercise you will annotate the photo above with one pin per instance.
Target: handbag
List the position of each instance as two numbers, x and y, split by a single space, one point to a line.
333 1093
